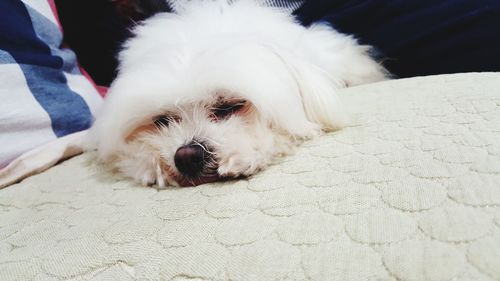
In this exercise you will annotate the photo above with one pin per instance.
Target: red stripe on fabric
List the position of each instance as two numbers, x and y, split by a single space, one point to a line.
53 7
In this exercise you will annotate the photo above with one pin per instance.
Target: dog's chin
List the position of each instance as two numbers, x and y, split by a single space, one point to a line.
187 182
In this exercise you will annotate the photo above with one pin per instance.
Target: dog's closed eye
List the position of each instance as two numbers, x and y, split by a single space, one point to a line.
225 110
164 120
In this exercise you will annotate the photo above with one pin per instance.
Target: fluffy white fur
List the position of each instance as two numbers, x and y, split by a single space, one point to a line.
181 64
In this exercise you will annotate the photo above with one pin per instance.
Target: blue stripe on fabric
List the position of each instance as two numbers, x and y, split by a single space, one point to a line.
6 58
18 37
51 34
67 110
43 71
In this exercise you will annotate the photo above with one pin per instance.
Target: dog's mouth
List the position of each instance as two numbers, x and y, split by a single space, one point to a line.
186 182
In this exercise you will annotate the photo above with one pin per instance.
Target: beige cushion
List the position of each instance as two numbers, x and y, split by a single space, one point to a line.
410 191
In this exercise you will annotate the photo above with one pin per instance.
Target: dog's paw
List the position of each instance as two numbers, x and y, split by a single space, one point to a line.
235 167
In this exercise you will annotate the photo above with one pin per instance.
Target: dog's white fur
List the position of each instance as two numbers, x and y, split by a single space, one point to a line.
182 63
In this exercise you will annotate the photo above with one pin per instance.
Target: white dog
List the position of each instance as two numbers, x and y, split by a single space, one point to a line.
220 90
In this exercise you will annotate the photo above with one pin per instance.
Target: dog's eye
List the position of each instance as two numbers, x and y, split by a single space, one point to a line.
164 120
224 110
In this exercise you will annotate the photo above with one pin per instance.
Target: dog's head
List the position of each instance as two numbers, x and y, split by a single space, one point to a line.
228 114
192 106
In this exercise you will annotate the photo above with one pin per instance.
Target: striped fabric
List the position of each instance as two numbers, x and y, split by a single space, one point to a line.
288 5
43 93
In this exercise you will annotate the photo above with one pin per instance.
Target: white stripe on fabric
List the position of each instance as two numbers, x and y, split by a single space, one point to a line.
24 124
83 87
43 7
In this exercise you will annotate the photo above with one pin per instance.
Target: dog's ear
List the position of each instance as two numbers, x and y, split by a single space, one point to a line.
319 96
324 62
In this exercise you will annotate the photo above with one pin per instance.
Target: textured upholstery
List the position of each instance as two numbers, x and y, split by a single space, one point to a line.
410 191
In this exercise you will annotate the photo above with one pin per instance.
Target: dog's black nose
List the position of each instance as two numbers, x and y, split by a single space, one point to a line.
189 159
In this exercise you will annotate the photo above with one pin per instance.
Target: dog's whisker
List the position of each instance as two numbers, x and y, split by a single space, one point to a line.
203 147
212 141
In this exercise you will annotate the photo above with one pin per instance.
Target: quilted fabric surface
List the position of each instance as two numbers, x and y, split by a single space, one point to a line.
410 191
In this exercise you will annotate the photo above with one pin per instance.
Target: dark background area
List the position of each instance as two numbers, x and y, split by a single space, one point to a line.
95 30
